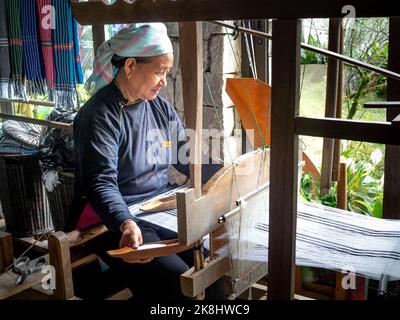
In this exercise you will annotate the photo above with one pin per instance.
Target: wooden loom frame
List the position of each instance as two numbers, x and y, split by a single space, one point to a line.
287 125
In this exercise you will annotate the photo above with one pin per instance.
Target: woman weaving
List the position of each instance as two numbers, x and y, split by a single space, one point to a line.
114 155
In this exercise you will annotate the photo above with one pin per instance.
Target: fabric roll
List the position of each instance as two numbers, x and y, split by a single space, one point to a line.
4 54
32 55
26 134
10 146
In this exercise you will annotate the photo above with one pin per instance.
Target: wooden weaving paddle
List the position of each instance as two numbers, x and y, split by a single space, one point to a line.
149 250
163 204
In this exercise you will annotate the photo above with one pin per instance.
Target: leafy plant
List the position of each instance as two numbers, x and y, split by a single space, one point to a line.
364 187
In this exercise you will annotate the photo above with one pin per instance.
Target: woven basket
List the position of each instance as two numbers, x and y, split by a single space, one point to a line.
60 200
24 202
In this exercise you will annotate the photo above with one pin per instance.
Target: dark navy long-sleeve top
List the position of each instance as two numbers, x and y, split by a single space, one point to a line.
123 151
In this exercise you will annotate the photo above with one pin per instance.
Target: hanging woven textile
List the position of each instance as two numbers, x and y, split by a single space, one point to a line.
13 9
45 37
32 55
67 64
4 53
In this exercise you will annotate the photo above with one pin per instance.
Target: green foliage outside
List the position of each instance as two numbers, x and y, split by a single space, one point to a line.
364 185
367 41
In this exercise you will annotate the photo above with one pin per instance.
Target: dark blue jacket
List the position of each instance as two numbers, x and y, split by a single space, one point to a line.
122 153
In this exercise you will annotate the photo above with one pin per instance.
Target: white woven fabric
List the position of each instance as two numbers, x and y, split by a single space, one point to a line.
326 237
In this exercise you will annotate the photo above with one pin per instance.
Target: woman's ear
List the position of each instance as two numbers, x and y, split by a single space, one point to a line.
129 67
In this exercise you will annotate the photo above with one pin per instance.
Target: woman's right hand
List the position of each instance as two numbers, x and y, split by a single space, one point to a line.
131 237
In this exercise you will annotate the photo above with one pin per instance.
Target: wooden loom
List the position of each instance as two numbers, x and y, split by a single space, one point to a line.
198 213
285 59
285 76
198 217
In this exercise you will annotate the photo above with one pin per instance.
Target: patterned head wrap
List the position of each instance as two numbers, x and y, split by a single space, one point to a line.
136 40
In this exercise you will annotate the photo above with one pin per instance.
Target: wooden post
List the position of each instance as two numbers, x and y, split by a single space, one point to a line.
340 292
284 158
191 55
342 187
298 280
391 199
98 35
60 259
339 105
6 251
330 103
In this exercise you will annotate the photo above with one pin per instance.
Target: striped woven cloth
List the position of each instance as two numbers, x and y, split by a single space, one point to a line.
68 70
327 237
32 55
4 53
44 14
13 9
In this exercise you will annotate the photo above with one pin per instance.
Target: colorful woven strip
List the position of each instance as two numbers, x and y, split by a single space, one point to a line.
67 65
44 14
4 54
13 9
32 55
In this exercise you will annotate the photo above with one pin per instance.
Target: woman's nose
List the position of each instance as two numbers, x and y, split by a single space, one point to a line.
164 81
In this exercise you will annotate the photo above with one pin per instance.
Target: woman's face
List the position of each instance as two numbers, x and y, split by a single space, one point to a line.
147 79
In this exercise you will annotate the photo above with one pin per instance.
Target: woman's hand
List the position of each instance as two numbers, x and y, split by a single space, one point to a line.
132 237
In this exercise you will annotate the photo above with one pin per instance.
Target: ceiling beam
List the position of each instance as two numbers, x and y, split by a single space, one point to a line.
96 12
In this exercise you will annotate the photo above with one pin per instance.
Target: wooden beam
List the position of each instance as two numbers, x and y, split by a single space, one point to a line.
194 282
61 260
195 10
330 54
30 102
47 123
391 199
191 56
382 105
330 103
284 159
368 131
